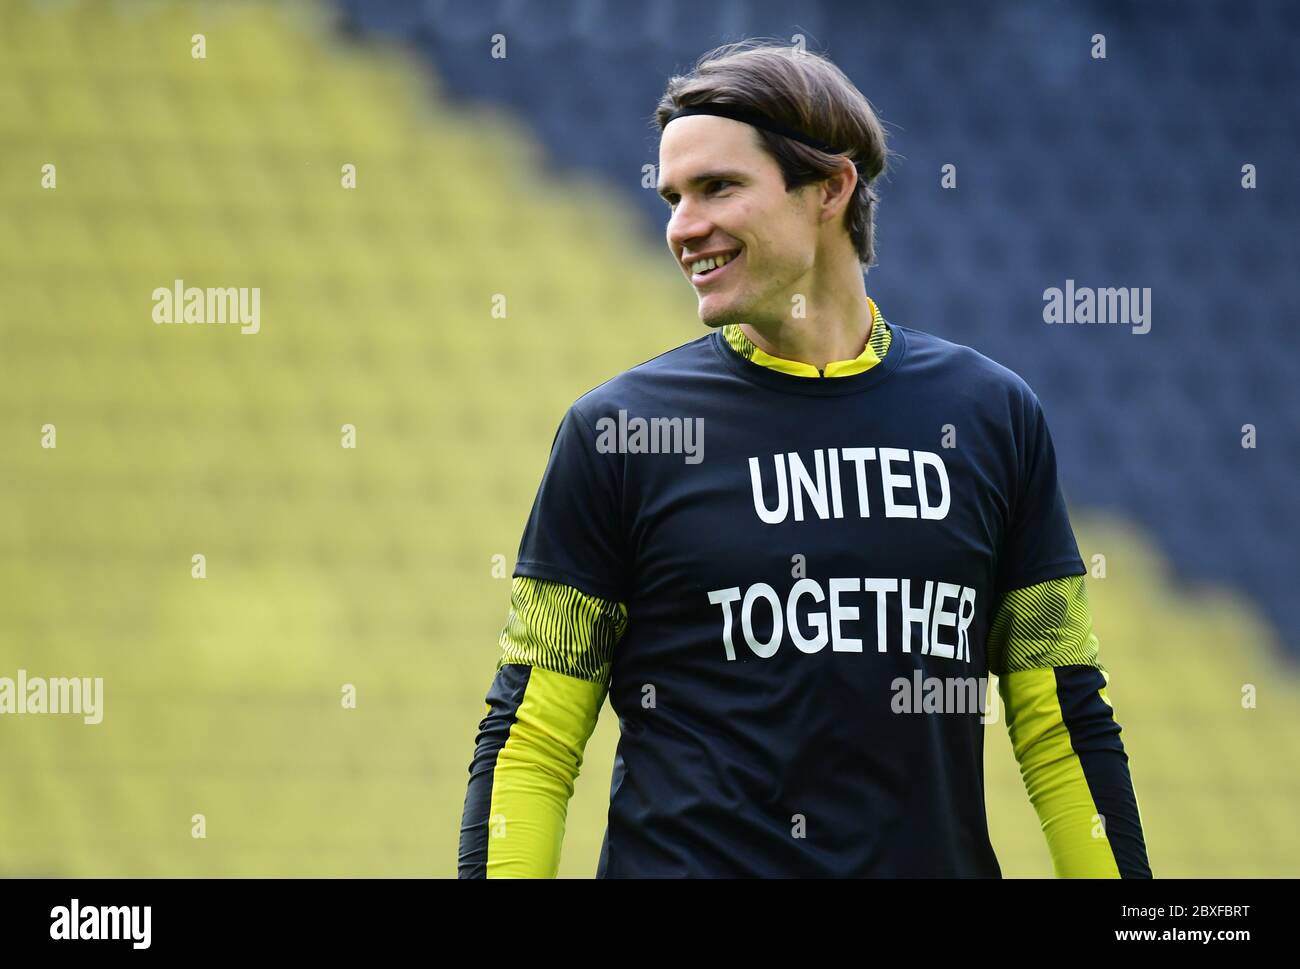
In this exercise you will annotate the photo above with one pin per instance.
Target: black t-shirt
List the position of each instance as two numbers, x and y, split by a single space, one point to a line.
810 568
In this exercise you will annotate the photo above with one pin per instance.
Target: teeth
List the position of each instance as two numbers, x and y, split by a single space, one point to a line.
704 265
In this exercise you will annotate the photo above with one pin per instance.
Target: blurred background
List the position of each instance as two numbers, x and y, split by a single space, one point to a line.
385 566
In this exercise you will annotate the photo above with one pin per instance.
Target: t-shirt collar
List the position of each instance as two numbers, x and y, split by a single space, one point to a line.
872 354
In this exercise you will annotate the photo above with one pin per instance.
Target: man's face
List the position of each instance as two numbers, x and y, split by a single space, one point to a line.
741 209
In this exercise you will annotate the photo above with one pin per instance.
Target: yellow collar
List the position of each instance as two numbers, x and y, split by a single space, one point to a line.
875 350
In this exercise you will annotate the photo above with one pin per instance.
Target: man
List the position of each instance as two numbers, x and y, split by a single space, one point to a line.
787 611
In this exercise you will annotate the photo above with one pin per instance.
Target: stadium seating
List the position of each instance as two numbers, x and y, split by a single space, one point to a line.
477 177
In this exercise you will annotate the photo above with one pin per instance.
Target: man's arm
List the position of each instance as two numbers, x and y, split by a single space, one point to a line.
1063 731
550 683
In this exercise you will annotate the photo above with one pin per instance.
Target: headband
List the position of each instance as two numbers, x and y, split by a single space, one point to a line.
737 113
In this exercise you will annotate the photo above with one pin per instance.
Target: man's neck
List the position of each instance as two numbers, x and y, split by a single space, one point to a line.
833 327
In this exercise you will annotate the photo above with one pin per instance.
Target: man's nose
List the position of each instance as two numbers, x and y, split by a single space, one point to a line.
687 223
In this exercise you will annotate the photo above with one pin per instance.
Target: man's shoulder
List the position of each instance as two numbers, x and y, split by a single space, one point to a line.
981 376
662 378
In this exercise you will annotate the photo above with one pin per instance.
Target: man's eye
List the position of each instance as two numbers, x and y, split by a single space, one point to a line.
713 186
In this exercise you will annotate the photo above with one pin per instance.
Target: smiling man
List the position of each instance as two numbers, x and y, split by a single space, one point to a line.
875 504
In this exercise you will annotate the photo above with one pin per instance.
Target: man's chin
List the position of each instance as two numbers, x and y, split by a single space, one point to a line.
713 315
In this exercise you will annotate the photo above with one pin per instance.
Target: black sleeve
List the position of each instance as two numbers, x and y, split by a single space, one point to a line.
1038 543
574 533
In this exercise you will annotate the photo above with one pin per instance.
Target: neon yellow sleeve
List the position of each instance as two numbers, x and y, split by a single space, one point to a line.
1042 647
550 683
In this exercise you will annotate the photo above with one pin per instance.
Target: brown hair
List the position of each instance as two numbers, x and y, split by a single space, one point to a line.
802 90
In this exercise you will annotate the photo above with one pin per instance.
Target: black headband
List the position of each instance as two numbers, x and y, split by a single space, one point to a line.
737 113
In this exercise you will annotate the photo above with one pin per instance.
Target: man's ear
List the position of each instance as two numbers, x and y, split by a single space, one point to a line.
837 189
